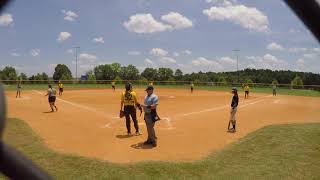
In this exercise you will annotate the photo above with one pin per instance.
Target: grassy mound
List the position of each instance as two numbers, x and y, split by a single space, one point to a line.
274 152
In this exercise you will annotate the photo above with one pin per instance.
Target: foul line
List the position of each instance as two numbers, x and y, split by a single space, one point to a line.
225 106
80 106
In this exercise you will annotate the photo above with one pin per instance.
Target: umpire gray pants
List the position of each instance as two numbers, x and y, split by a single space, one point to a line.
150 128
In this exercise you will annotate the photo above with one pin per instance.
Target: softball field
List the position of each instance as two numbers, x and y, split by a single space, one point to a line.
192 125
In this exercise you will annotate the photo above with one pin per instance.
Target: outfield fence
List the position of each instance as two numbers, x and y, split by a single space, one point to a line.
140 83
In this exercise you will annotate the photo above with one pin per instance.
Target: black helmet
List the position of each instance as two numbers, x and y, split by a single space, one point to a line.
128 86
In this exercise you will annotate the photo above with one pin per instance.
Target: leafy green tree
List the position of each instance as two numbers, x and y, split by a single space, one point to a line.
150 74
143 81
178 75
91 76
165 74
297 82
23 77
129 72
118 80
116 67
62 72
9 73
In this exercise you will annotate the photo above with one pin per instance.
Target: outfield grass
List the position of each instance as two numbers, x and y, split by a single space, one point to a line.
283 91
274 152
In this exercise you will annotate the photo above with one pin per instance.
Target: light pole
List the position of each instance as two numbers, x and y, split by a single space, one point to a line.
236 52
76 49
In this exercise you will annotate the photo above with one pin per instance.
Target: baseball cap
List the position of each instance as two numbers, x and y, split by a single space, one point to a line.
149 88
234 89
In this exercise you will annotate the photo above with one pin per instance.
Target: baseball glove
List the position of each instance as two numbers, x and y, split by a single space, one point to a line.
121 115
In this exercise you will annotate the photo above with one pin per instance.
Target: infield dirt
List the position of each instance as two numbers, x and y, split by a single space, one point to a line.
192 125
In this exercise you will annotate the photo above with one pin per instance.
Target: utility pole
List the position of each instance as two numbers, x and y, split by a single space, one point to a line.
76 49
237 54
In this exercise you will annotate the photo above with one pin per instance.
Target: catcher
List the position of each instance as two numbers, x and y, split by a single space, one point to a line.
128 104
234 105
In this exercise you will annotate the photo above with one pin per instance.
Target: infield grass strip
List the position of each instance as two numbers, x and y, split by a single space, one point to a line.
274 152
282 91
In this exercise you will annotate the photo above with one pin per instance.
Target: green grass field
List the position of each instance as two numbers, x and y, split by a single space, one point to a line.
283 91
274 152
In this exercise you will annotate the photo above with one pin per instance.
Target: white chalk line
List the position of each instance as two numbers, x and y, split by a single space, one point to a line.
105 115
225 106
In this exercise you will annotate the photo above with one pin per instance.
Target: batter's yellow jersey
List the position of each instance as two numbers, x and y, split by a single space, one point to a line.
246 88
60 85
151 83
113 83
129 98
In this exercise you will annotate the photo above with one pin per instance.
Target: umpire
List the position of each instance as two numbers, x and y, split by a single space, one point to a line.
150 115
128 102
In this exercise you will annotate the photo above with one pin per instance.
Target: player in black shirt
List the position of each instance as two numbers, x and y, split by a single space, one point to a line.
234 105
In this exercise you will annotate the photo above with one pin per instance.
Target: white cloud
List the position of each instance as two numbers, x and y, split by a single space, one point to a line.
6 19
268 61
35 52
187 52
158 52
297 49
176 54
70 51
63 36
167 60
87 57
69 15
148 62
227 61
134 53
247 17
300 61
145 23
301 65
310 55
15 54
317 50
177 20
201 61
274 47
98 40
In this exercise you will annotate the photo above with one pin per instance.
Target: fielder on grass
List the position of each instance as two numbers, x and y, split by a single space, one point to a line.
113 85
51 93
191 87
234 105
18 89
60 85
246 91
274 90
128 104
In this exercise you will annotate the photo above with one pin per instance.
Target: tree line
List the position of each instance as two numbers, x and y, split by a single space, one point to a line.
116 71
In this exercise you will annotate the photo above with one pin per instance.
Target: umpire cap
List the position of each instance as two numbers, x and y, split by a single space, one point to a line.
150 87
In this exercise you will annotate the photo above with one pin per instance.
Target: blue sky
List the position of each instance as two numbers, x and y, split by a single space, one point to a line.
192 35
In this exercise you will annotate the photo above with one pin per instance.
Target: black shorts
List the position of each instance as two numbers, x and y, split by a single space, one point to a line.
113 87
246 92
52 99
61 89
